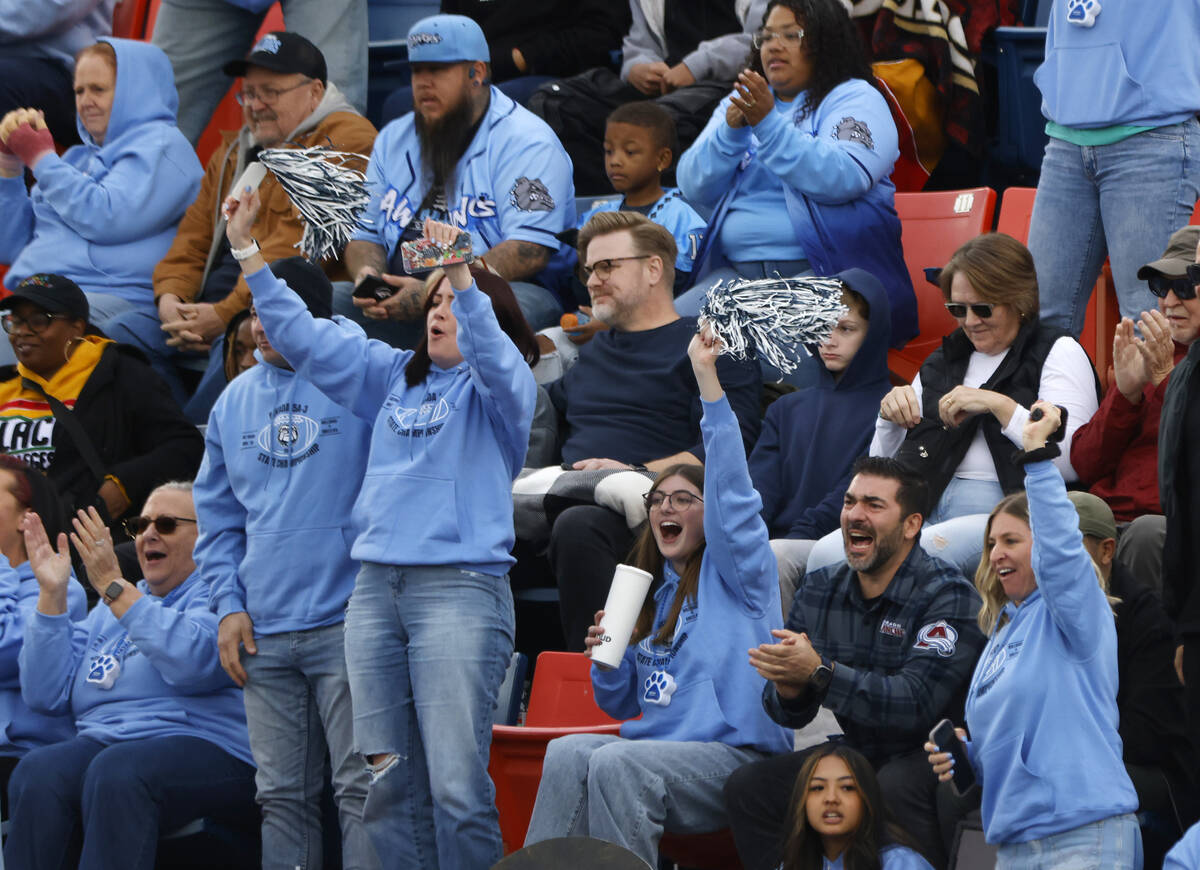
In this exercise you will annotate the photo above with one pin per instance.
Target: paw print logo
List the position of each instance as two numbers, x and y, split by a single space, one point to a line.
1082 13
660 686
104 671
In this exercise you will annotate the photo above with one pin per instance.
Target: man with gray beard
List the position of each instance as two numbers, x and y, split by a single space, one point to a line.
469 156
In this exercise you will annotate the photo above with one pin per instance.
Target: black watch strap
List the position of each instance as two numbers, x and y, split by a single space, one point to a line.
113 591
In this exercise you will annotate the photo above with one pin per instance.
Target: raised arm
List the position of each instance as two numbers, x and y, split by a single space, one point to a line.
1065 574
706 170
737 539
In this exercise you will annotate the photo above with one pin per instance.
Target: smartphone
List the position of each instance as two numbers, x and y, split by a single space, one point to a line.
373 288
424 255
944 737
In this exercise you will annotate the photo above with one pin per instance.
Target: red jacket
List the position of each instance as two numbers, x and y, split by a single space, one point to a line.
1116 452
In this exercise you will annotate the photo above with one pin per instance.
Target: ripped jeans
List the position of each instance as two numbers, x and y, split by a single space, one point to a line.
426 651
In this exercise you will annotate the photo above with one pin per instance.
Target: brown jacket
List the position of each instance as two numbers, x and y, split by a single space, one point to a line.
278 228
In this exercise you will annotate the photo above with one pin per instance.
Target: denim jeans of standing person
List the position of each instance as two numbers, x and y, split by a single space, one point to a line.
629 791
1110 844
298 706
201 36
122 797
426 651
1122 201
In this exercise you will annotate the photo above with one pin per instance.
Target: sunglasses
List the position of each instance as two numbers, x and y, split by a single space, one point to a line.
164 525
1184 286
982 310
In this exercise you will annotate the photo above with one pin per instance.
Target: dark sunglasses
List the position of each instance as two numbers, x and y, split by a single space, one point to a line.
958 310
164 525
1184 286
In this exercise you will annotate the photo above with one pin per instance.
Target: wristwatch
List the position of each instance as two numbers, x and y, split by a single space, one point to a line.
820 677
113 591
245 253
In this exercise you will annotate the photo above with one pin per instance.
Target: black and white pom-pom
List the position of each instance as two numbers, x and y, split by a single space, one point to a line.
328 193
773 318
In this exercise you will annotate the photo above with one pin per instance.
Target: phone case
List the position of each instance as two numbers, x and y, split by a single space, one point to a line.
425 255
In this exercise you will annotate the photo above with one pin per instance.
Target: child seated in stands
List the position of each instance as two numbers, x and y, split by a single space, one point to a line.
640 144
801 462
839 819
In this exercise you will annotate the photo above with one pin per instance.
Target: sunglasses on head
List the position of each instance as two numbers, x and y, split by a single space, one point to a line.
1184 286
164 524
982 310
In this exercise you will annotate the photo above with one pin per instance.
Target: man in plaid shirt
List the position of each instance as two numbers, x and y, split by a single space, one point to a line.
887 640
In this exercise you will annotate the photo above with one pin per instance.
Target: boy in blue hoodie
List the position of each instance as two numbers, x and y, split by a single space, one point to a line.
281 470
801 462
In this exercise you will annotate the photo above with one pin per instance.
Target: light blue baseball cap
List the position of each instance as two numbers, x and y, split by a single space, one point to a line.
447 39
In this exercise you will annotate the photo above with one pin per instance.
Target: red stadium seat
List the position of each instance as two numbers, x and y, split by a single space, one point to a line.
935 224
1016 209
130 19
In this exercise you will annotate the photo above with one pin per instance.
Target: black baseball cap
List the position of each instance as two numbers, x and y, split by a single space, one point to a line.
52 293
285 52
307 281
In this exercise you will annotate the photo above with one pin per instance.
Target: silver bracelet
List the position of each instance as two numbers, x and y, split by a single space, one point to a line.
245 253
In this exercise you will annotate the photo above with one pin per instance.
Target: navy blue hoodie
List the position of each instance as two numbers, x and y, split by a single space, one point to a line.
810 438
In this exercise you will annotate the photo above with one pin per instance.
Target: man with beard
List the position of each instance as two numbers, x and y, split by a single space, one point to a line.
287 102
887 640
469 156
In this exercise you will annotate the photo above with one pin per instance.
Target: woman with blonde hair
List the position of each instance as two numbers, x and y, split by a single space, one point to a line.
1042 705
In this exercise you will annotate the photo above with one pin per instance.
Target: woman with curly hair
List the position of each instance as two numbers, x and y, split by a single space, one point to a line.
795 164
839 819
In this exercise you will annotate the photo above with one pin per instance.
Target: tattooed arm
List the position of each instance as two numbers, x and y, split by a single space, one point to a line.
367 258
516 260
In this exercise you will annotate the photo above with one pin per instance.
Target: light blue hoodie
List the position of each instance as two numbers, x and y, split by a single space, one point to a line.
1137 66
23 728
282 466
57 30
444 454
1042 705
104 215
170 682
697 688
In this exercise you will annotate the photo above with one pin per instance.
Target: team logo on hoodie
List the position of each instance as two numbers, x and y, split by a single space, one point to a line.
939 636
288 435
660 686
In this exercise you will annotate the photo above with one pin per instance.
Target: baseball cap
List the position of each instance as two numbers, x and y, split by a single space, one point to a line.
447 39
307 281
1180 253
54 294
285 52
1095 516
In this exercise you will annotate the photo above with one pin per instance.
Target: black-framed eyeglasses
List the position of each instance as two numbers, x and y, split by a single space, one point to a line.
37 323
266 95
1184 286
982 310
790 38
164 524
604 268
679 500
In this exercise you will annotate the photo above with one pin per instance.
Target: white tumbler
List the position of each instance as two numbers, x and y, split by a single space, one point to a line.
621 609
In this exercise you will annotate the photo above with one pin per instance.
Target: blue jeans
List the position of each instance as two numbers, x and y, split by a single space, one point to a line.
104 307
629 791
143 329
298 706
1122 201
538 304
201 36
120 798
426 650
1114 843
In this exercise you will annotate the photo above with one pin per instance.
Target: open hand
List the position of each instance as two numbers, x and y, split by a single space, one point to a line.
752 96
51 567
93 542
788 664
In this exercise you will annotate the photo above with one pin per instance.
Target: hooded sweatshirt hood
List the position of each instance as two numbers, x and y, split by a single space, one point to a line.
810 438
145 91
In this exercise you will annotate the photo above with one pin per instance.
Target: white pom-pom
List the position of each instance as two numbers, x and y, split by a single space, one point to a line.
772 319
328 193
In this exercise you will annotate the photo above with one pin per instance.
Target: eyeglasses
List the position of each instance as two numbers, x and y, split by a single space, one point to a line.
604 268
164 525
790 38
680 500
265 95
982 310
37 323
1184 287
